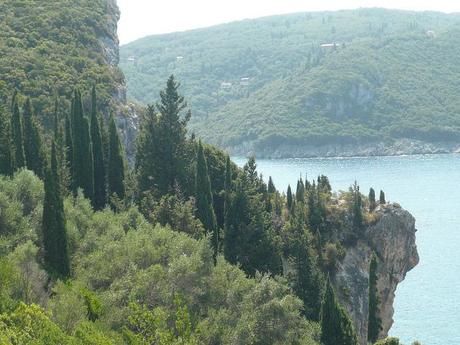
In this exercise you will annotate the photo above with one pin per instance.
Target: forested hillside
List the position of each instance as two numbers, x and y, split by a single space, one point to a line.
385 75
180 248
48 48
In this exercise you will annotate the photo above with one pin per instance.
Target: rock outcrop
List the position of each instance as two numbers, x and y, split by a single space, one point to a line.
125 113
392 238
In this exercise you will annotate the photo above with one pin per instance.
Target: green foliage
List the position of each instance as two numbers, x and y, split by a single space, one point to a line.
54 224
33 141
116 163
99 162
82 150
302 94
6 144
382 198
372 202
49 50
203 195
388 341
336 326
17 135
374 322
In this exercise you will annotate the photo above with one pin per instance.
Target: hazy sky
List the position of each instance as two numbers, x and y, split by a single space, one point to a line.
140 18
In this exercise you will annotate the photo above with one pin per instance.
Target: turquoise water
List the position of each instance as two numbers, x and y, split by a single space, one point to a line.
427 306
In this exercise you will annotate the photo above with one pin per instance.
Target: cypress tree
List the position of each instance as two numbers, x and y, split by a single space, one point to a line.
204 199
336 326
6 147
271 186
227 191
33 149
289 198
372 202
300 191
116 164
53 223
17 135
306 282
382 198
63 170
69 146
82 162
374 322
357 206
100 184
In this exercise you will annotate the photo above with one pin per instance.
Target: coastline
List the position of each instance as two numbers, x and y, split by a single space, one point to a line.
400 147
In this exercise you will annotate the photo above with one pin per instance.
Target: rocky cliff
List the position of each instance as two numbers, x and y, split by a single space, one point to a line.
392 237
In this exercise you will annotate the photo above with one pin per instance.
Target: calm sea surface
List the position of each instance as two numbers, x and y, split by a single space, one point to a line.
427 306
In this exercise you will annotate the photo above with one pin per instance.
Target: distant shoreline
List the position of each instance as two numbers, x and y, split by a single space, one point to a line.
400 147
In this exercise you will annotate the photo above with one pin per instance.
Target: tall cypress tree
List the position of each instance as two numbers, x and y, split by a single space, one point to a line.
374 322
116 164
33 149
204 200
17 135
382 198
69 146
6 144
271 186
336 326
306 282
289 198
100 183
82 162
300 191
372 202
357 207
54 224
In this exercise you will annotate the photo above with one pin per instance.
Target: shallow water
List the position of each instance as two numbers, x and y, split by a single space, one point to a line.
427 305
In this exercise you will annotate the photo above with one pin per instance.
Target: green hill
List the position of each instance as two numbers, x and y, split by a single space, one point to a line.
48 49
391 75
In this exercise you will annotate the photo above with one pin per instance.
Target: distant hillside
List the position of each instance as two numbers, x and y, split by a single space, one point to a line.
320 79
48 49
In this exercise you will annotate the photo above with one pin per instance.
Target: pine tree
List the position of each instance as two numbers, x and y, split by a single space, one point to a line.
382 198
6 144
53 223
271 186
100 184
374 322
336 326
289 198
204 199
33 149
17 136
227 192
372 202
116 163
82 161
161 156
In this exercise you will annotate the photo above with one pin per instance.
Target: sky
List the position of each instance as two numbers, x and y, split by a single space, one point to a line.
140 18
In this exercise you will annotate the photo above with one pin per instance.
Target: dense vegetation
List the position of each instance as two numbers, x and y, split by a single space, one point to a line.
49 48
154 264
390 75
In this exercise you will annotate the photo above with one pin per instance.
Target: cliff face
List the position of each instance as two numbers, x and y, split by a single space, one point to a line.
125 113
392 238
